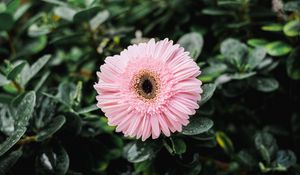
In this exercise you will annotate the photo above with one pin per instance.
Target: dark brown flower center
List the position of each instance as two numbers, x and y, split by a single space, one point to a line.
146 85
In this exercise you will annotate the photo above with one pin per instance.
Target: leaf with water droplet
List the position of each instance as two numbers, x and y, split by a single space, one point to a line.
21 112
51 128
208 91
53 160
197 125
139 151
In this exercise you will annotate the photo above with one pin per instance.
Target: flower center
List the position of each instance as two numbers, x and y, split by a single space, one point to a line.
146 84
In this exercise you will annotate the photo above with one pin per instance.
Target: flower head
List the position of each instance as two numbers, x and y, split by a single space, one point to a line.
149 89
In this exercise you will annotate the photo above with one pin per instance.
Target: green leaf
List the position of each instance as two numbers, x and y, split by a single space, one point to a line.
22 112
266 145
28 73
293 64
278 48
88 109
197 125
100 18
292 6
3 80
208 91
7 21
51 128
54 160
225 143
21 11
234 51
264 84
193 43
178 145
138 151
16 71
256 42
34 46
86 14
256 56
246 158
292 28
7 162
213 71
38 30
65 12
285 158
272 27
66 93
12 5
216 12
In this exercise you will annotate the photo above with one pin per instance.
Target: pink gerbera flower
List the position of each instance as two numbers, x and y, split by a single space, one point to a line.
148 89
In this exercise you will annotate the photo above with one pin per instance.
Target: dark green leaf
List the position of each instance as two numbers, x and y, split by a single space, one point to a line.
101 17
51 128
65 12
88 109
256 56
7 21
22 112
86 14
264 84
285 158
8 161
52 161
246 158
178 145
29 72
193 43
266 144
293 64
208 91
138 151
16 71
197 125
292 6
234 51
35 30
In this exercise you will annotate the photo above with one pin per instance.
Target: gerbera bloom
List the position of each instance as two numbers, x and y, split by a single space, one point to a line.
148 89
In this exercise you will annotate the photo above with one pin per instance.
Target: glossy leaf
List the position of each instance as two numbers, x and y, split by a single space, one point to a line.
53 161
197 125
278 48
193 43
22 114
51 128
138 151
208 91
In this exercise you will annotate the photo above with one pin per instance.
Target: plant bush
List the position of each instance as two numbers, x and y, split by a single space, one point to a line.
248 121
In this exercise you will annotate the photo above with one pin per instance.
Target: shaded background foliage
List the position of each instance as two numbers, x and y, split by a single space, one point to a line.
248 121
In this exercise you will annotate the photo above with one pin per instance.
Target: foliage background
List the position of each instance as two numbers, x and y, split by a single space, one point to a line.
248 122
